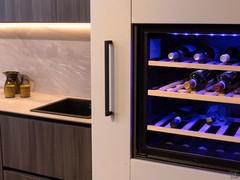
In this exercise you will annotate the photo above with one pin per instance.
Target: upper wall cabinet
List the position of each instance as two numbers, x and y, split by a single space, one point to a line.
45 11
73 10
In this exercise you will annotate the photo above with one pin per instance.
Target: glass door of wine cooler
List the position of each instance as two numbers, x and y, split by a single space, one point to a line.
186 94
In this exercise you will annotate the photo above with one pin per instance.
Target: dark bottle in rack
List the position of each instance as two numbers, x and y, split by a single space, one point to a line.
176 121
182 114
206 54
216 115
198 80
230 55
225 81
185 51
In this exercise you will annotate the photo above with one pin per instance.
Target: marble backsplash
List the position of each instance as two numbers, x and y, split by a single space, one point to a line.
55 66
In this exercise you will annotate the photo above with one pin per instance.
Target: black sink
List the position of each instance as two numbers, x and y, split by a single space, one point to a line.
68 107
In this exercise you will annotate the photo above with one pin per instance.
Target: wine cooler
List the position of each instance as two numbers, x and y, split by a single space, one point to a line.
186 94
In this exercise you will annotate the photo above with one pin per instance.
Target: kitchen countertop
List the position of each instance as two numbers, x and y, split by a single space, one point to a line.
24 105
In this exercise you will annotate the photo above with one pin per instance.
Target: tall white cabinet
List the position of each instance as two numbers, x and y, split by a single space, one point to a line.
111 20
111 135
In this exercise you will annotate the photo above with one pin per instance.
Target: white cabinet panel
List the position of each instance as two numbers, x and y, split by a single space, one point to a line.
186 11
111 20
146 170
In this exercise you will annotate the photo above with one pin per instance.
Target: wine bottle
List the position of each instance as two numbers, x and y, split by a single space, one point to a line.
198 80
182 52
206 54
230 55
225 81
182 114
210 120
176 121
216 115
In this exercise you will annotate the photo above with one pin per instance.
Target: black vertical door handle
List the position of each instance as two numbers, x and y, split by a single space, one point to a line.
107 45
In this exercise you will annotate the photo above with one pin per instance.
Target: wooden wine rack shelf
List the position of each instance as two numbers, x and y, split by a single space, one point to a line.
201 133
191 96
194 65
176 90
193 134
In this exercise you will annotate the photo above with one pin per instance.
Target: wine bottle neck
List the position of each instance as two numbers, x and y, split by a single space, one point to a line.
225 58
220 86
199 56
191 84
175 55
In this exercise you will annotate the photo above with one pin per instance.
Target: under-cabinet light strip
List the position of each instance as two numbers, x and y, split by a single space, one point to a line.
57 31
202 34
45 25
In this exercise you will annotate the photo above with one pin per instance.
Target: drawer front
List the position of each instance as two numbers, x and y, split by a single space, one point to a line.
12 175
186 11
147 170
45 148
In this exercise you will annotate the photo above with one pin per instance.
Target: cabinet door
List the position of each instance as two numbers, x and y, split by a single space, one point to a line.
73 10
11 175
111 20
77 152
28 10
45 148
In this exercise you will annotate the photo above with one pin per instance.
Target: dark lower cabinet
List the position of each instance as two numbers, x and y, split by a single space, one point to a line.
44 10
45 148
12 175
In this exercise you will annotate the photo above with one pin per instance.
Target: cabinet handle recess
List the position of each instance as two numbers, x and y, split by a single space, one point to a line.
108 44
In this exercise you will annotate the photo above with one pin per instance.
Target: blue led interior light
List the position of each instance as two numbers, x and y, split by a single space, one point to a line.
155 48
202 34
